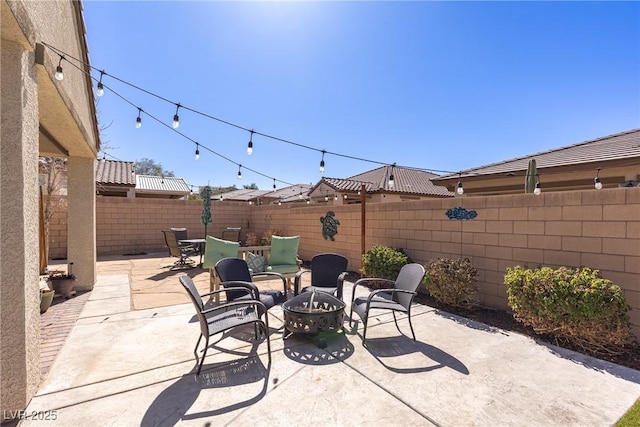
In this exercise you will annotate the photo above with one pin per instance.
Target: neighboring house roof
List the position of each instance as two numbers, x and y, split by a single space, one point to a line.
111 172
292 193
406 181
243 195
615 159
158 185
285 195
619 146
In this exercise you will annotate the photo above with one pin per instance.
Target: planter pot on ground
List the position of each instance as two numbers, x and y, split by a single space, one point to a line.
46 297
62 287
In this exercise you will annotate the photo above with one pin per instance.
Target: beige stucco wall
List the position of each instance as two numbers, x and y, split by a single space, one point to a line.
37 109
19 294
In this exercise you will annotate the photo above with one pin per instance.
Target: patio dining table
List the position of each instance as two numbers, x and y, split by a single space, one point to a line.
200 243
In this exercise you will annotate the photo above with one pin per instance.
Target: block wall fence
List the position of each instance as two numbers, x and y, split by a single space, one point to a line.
597 229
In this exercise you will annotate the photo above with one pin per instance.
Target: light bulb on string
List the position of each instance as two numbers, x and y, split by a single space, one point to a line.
322 162
274 183
197 151
460 189
596 181
59 75
538 189
239 172
308 201
139 119
391 180
250 145
176 118
100 90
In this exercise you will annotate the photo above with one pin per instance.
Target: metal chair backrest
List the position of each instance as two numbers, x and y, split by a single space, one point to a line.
191 289
230 270
409 278
325 269
180 233
172 243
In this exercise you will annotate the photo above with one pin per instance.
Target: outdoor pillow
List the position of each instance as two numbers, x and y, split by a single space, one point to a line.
284 250
216 249
255 262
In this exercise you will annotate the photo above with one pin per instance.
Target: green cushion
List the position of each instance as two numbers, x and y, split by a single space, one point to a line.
255 262
216 249
284 250
283 269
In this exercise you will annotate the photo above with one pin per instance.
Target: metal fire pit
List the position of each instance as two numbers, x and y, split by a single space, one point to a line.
313 312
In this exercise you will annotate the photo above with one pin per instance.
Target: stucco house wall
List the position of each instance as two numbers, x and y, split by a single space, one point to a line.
46 117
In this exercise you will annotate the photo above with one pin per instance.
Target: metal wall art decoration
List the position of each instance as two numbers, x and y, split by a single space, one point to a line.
461 213
329 225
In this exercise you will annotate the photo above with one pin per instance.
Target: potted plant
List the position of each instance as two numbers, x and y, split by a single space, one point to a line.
46 298
62 282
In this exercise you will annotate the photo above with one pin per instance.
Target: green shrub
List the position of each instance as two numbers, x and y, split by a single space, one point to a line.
574 305
383 262
452 281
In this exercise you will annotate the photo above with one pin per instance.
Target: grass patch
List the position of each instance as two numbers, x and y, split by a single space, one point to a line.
632 417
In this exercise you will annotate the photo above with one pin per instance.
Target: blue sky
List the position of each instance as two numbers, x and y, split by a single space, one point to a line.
442 86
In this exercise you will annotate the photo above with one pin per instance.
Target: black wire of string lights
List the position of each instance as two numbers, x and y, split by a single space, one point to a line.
174 129
100 91
252 132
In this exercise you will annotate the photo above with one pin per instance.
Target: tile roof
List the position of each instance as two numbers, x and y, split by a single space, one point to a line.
112 172
290 193
244 194
406 181
167 184
620 146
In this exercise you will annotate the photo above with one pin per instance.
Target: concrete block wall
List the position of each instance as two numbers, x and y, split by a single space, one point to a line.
598 229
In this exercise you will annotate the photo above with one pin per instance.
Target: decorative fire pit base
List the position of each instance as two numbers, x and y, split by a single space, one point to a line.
312 313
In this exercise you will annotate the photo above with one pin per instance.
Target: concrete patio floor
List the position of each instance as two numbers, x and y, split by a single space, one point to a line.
125 367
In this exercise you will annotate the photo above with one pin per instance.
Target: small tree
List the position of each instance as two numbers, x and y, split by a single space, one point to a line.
145 166
54 170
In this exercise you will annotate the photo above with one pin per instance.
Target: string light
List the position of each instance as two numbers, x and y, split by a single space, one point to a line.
322 162
391 180
176 118
596 181
335 197
345 196
460 189
250 145
59 75
139 119
308 201
197 151
274 183
538 189
239 172
100 91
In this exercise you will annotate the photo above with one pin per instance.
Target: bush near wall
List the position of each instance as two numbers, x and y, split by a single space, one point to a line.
574 305
452 281
383 262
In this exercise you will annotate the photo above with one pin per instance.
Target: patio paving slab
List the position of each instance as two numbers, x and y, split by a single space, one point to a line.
127 367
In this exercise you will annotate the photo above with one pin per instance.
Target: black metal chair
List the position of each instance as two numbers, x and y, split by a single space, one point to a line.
181 252
234 272
328 272
224 317
397 298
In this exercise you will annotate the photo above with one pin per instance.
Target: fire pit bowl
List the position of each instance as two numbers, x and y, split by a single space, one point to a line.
313 312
